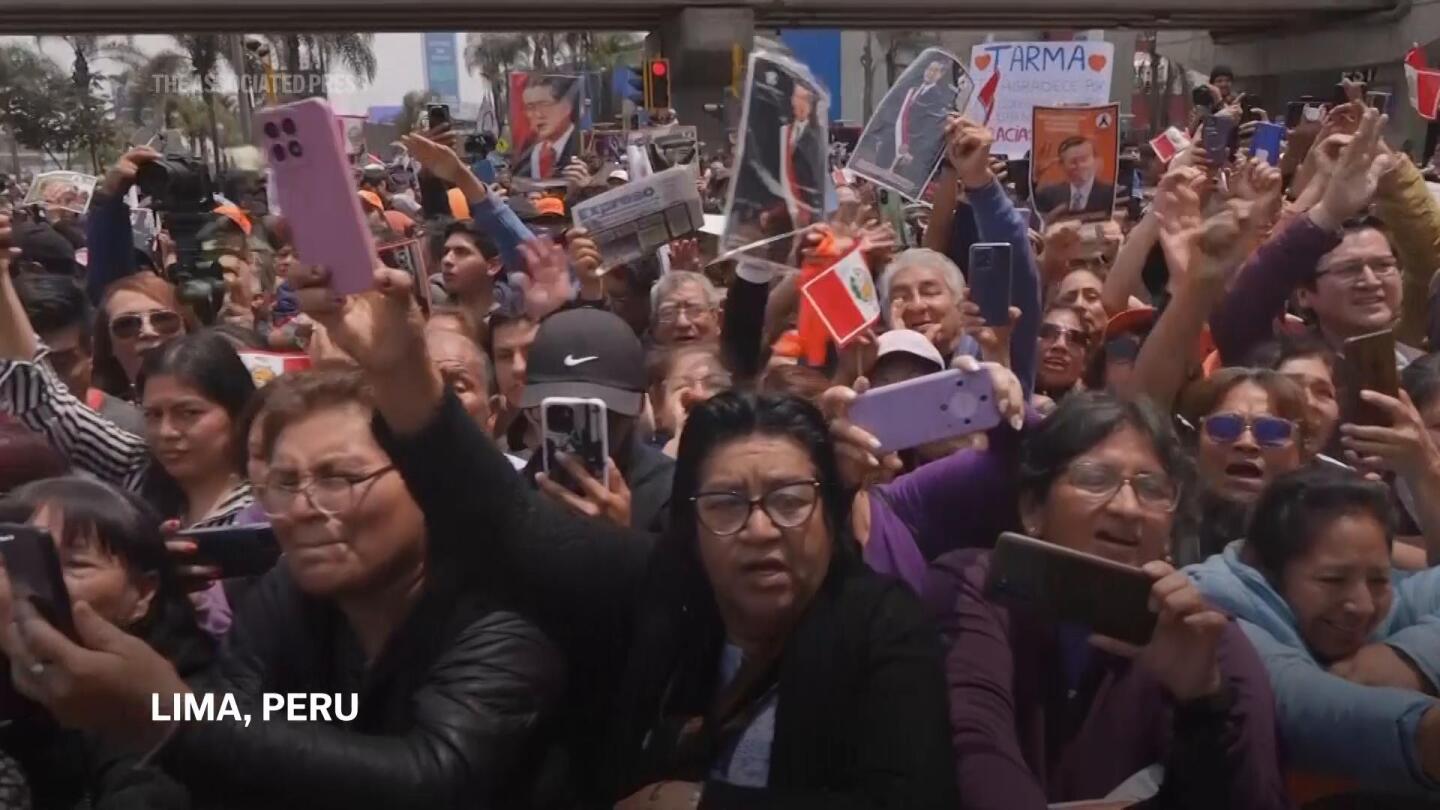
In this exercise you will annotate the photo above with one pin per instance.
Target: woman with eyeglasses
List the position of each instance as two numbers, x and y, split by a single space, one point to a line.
1063 347
432 693
192 390
136 313
1250 426
1044 711
1349 641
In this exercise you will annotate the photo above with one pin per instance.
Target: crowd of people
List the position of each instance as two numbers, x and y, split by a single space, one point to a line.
746 604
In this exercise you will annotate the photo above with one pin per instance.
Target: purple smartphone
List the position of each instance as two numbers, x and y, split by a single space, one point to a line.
317 193
927 409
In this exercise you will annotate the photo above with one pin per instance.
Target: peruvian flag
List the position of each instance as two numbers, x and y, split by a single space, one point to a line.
1424 84
987 93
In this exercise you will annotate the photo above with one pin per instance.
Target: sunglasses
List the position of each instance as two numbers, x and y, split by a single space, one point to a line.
1269 431
163 321
1052 333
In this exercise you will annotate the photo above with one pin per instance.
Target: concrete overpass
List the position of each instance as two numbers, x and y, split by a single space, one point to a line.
164 16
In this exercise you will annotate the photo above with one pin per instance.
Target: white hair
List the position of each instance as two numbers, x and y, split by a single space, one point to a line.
674 280
920 257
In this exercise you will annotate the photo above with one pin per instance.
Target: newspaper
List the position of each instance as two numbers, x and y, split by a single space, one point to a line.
637 218
70 191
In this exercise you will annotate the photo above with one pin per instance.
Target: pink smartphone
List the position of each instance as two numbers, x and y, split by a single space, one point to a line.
927 409
313 183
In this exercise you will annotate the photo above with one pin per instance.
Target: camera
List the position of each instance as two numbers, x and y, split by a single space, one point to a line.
176 183
480 144
182 192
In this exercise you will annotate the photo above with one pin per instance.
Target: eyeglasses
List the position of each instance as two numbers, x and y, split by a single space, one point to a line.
670 313
719 381
1054 333
331 495
1269 431
787 506
1351 273
129 326
1102 482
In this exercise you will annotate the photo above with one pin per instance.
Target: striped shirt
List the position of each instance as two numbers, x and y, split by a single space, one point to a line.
32 393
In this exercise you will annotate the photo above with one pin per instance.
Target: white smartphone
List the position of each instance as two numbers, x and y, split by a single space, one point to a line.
578 427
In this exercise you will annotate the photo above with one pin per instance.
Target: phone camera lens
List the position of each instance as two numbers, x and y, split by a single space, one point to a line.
296 149
288 125
278 151
271 131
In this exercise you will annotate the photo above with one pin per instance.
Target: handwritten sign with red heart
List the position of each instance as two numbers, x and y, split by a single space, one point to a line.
1097 62
982 61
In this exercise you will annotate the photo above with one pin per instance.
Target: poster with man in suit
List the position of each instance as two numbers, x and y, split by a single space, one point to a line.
545 122
1076 158
902 144
780 162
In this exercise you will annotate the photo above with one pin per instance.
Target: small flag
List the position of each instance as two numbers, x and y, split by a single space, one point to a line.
1169 143
1423 82
987 93
844 297
266 366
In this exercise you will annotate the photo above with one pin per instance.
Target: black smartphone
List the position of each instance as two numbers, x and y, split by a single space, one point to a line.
1066 585
1370 366
438 115
35 574
1215 134
1017 171
989 278
238 551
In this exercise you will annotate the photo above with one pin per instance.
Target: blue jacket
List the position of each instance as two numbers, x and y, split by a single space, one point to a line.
492 216
1328 724
110 243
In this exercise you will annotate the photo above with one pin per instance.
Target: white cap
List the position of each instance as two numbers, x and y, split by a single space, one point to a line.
909 341
619 174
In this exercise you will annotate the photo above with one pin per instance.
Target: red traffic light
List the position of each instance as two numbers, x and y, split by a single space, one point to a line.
659 67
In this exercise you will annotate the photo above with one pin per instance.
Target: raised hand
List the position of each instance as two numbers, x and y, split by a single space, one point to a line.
1356 176
439 158
857 451
380 330
1177 208
1405 446
121 176
546 282
968 149
685 255
576 174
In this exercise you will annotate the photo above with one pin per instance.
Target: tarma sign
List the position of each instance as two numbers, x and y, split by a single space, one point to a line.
1016 77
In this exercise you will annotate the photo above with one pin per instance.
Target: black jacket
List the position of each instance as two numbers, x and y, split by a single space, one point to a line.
68 769
862 713
450 714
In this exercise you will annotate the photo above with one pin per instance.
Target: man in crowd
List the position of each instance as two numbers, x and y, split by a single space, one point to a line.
469 267
1082 192
586 353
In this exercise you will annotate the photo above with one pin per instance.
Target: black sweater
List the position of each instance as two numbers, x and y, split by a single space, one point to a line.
862 713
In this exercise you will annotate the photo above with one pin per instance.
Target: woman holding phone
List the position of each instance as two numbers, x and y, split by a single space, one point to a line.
112 557
1104 477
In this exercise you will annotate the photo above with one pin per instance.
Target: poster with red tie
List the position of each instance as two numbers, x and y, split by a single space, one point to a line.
904 141
781 166
1075 161
546 115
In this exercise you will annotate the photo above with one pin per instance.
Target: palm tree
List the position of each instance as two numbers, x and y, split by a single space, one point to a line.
90 47
493 56
867 64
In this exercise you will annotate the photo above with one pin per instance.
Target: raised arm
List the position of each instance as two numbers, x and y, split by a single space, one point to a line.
1126 275
998 221
31 392
107 225
1408 209
489 212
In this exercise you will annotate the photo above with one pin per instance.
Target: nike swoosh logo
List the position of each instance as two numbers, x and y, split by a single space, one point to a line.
571 361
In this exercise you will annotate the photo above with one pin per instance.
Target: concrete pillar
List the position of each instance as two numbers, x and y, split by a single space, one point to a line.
699 43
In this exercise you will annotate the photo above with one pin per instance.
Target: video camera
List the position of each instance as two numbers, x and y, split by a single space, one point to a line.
182 192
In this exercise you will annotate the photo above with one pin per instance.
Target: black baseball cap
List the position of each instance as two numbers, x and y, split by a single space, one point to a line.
586 353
